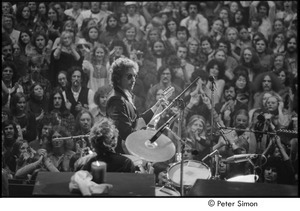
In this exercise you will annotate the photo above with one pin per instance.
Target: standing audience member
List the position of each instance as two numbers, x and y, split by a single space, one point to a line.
78 95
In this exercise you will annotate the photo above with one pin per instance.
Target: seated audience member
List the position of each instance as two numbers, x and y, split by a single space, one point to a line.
227 109
196 132
34 76
38 102
59 114
57 149
278 169
164 76
84 122
23 117
43 130
78 95
30 162
100 99
264 82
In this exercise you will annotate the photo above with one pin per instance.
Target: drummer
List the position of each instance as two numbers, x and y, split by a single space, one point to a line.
120 105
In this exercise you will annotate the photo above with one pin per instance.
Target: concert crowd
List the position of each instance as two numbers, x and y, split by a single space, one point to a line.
58 72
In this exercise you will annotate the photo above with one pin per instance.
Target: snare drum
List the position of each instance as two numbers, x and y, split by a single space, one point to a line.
166 191
192 170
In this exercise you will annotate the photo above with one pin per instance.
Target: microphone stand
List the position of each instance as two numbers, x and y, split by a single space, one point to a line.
212 119
181 107
180 120
176 99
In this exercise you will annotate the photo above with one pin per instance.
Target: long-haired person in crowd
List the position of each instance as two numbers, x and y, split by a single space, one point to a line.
30 162
100 99
92 35
53 23
69 25
278 62
62 79
196 132
42 12
117 49
231 34
65 55
26 119
23 17
98 68
10 134
9 78
285 92
58 112
207 48
112 30
250 60
277 42
243 86
38 102
24 40
171 26
34 76
216 69
261 48
84 122
193 52
43 130
58 151
264 82
230 61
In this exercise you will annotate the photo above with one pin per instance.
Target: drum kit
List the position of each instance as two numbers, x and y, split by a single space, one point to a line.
163 149
144 152
150 146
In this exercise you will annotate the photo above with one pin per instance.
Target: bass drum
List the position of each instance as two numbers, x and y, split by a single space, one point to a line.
165 191
192 170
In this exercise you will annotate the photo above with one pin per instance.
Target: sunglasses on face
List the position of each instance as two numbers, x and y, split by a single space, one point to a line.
130 76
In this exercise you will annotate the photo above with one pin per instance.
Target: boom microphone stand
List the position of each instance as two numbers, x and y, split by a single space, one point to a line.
211 78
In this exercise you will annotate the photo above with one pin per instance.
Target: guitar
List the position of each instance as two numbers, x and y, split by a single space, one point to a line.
167 93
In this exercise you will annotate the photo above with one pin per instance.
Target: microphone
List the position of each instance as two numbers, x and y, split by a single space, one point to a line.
240 158
157 134
161 129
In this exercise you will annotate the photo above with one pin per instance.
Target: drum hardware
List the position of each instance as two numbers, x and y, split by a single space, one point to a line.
217 156
192 169
166 191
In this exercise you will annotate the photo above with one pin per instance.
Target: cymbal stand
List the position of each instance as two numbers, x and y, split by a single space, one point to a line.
217 157
255 167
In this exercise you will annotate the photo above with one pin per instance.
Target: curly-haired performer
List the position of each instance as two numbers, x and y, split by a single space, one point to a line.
120 106
104 136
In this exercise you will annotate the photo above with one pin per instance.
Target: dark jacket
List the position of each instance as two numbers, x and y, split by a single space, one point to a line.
124 114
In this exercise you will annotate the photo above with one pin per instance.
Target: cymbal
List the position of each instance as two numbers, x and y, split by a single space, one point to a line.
138 144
